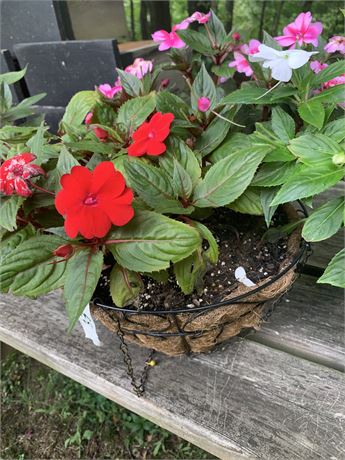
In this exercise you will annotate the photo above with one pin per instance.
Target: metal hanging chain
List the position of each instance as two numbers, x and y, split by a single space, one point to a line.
138 384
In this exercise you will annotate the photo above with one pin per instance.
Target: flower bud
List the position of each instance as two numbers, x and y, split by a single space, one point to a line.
339 159
65 251
88 118
203 104
236 36
165 83
101 134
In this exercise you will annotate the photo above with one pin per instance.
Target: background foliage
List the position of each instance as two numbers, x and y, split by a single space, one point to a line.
249 17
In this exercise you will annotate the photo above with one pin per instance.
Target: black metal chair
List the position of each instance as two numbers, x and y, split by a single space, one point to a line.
63 68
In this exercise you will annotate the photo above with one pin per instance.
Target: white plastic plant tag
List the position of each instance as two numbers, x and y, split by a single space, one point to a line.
89 326
241 276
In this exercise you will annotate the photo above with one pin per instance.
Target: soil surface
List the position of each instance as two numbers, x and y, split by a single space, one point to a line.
240 242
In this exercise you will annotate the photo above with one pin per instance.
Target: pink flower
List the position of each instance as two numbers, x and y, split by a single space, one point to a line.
241 64
336 43
15 171
200 17
317 66
169 40
251 48
300 31
109 91
335 81
204 104
236 36
139 68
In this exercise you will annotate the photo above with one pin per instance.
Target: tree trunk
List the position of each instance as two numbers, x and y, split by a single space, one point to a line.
144 20
203 6
262 19
229 5
307 5
160 17
277 18
132 20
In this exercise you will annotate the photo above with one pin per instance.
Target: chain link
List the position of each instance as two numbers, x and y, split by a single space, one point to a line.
138 384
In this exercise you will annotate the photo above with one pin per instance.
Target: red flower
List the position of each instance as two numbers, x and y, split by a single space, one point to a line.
92 201
149 137
14 172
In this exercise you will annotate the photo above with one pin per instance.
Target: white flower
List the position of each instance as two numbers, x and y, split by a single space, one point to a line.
281 62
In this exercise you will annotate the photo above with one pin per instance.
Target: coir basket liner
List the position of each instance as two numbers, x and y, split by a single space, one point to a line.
199 329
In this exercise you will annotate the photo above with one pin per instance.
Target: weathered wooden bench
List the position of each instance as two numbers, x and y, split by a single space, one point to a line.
276 394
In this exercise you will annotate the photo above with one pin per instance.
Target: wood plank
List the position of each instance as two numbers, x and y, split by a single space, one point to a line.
325 250
308 322
244 400
137 45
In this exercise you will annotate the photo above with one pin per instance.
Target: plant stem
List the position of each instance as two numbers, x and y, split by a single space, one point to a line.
41 189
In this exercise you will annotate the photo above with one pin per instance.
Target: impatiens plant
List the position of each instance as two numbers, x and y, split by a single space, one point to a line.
137 169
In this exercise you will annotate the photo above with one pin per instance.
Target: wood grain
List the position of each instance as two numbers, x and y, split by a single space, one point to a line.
245 400
308 322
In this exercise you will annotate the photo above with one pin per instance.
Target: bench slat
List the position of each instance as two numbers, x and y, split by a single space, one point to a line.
308 322
245 400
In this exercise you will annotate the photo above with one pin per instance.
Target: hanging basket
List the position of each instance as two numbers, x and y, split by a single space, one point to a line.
176 331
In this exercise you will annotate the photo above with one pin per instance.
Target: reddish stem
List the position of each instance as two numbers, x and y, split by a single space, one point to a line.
41 189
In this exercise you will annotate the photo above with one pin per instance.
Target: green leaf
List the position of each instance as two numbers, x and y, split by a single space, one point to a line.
179 151
271 174
65 163
181 182
330 72
270 41
233 143
169 102
324 221
335 94
266 197
255 95
11 240
82 274
203 86
190 271
9 207
223 70
150 242
125 285
130 83
248 203
308 181
153 186
96 147
135 111
29 269
312 112
215 133
283 125
335 273
36 144
227 179
216 29
197 41
312 148
12 77
335 130
212 253
79 106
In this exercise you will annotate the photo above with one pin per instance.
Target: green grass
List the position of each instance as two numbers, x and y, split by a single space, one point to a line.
46 415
